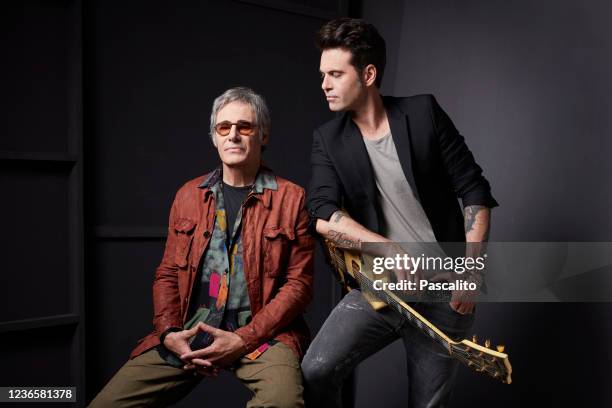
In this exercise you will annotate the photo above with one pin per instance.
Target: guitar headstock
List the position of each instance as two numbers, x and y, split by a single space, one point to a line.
483 359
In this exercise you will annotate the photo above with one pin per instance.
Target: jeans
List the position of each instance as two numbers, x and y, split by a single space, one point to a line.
354 331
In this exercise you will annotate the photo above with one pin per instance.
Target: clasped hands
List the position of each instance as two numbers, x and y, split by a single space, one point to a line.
226 348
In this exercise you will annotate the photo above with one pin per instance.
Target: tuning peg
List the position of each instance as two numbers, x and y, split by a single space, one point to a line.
474 338
487 343
501 348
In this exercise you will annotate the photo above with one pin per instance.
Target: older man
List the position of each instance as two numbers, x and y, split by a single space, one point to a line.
234 280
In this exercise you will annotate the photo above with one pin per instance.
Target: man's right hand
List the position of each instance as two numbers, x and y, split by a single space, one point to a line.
178 344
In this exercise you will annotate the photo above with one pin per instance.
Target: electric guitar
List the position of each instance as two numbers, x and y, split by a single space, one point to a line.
480 358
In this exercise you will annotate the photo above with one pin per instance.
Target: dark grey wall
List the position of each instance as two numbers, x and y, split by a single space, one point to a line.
527 83
41 162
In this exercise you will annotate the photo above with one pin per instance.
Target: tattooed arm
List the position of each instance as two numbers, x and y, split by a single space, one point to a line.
477 225
345 232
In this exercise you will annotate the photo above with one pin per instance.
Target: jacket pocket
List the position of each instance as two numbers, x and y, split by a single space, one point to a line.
277 244
184 228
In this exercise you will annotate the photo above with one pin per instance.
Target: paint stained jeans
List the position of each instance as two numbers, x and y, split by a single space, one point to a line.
354 331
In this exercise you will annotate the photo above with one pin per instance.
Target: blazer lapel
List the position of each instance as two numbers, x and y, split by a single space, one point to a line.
358 156
400 131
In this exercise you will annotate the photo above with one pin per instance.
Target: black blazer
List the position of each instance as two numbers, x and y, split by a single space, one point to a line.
434 157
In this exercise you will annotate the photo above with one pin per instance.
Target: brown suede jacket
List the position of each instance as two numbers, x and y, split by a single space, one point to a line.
278 257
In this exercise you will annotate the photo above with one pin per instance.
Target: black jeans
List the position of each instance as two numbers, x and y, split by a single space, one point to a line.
354 331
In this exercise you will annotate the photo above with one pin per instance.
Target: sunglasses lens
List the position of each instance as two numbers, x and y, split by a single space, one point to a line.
223 128
245 129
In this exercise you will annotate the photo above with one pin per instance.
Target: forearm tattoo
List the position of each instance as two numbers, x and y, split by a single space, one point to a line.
470 213
343 241
338 215
478 248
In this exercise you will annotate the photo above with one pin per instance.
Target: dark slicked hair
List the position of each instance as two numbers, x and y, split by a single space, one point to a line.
360 38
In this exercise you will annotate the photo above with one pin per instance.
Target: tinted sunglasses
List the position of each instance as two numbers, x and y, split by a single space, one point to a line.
242 127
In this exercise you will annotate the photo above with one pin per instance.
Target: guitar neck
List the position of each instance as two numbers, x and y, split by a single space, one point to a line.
390 298
414 317
481 359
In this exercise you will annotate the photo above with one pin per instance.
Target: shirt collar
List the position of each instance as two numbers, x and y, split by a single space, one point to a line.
265 180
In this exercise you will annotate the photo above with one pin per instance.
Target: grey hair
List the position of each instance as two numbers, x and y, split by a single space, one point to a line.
245 95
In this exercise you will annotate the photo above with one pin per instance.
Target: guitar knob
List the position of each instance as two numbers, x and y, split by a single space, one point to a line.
487 343
474 338
501 348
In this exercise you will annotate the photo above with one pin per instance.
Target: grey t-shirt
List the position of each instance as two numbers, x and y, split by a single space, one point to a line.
404 219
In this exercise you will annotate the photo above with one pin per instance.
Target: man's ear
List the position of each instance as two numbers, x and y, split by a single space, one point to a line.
265 137
369 75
